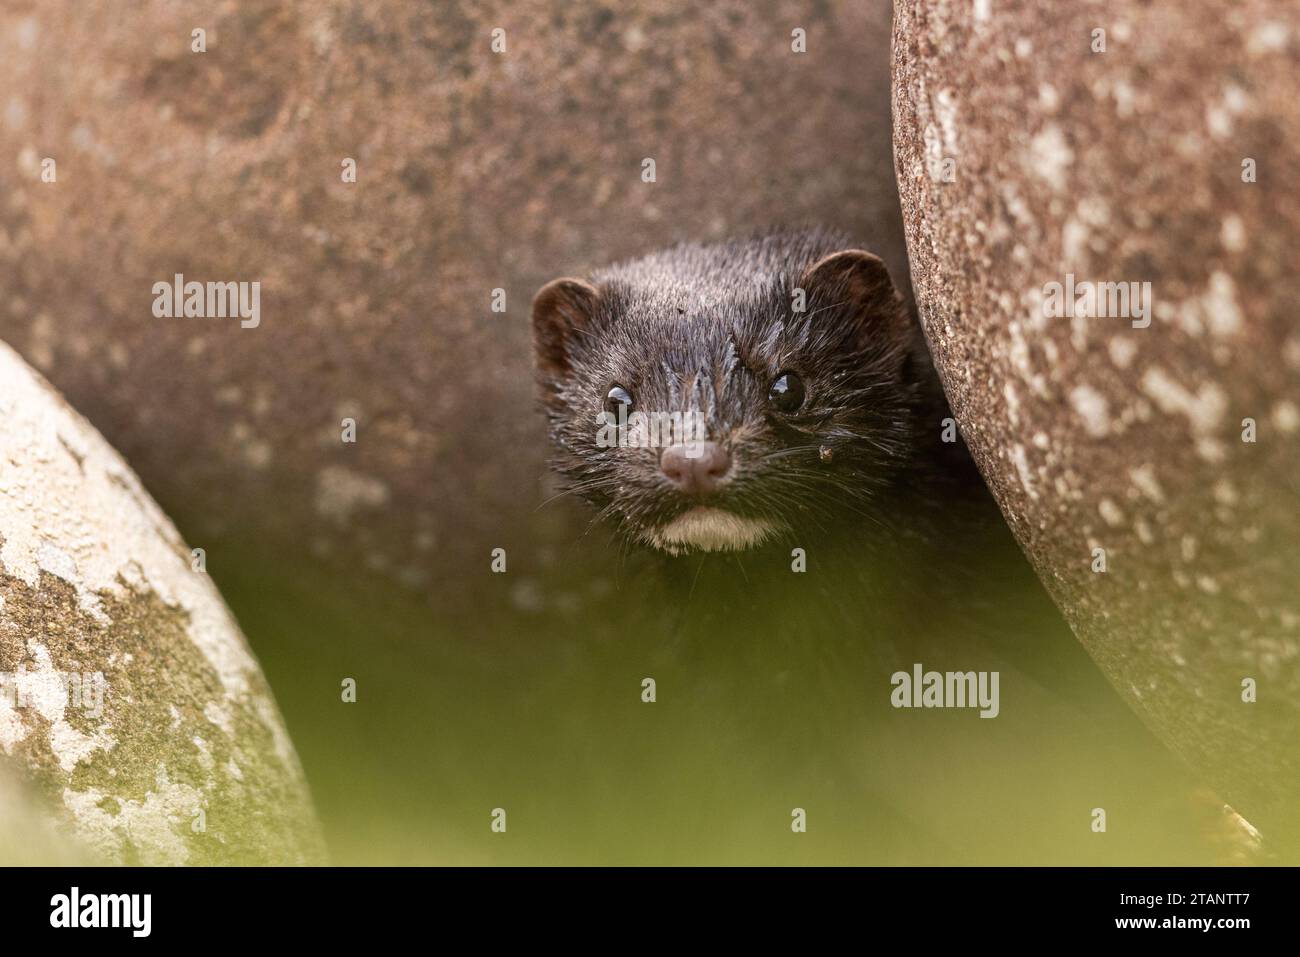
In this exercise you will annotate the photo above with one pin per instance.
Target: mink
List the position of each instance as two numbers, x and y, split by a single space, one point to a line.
823 409
822 525
826 444
826 425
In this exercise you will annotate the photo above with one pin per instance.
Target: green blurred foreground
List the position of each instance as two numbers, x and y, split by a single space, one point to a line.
541 715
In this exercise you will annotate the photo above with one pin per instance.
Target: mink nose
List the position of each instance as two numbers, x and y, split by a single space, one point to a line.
696 468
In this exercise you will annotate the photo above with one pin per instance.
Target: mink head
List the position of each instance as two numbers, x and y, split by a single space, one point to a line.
712 397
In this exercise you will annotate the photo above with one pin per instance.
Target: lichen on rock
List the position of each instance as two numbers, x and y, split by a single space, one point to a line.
130 705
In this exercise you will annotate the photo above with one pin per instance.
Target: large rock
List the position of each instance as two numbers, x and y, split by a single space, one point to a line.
132 714
476 171
1024 156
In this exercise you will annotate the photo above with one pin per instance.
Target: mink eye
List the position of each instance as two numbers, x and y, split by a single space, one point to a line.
618 396
787 393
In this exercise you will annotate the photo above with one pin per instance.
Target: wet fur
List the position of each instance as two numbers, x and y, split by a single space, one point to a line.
709 327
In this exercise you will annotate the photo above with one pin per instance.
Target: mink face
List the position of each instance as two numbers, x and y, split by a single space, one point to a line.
799 379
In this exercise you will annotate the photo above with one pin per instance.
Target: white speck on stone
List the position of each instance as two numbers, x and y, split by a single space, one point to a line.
205 753
1232 233
1051 353
82 138
340 492
1219 305
1144 533
1094 210
634 39
27 32
1122 350
1018 351
1013 403
1074 243
1268 37
16 113
940 136
1212 450
229 395
1218 120
1125 99
220 716
1204 409
279 737
256 451
1021 462
1050 156
1286 417
1111 513
1144 479
29 164
1015 205
1224 492
934 158
1090 405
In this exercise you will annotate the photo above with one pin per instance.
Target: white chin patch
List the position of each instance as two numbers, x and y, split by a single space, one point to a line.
709 530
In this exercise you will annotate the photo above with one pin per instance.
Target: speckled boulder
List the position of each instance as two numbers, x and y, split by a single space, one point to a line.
484 161
1144 454
132 715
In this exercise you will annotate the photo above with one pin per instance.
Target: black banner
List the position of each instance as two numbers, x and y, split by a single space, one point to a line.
979 905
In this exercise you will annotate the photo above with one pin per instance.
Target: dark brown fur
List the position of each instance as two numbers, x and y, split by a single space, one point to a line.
708 328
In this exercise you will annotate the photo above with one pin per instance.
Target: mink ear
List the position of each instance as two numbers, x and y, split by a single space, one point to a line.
561 308
854 276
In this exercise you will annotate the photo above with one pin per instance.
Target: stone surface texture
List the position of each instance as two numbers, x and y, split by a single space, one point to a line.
476 171
132 715
1102 433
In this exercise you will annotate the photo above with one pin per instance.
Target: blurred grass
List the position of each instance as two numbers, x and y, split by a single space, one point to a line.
540 714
